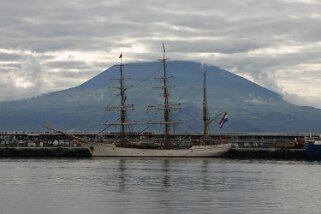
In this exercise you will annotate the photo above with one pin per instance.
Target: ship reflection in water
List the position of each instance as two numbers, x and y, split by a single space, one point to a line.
164 180
158 185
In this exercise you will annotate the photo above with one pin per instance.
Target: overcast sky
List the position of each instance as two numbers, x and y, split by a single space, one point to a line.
53 45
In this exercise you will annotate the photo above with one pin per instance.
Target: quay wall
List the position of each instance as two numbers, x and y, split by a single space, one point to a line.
244 145
44 152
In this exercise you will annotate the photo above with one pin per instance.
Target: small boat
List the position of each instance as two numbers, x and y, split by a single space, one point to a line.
313 147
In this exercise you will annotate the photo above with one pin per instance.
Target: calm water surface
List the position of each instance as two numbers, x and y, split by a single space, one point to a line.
127 185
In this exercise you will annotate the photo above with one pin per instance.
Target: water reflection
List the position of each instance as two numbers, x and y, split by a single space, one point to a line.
161 172
204 172
122 174
166 174
180 186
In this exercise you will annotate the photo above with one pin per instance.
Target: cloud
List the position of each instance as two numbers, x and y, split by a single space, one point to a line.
60 44
26 81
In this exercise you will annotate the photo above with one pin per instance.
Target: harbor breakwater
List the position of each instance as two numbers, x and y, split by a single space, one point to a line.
245 145
267 153
44 152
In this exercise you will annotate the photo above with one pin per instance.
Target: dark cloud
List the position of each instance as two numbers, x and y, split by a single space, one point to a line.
10 57
80 65
263 40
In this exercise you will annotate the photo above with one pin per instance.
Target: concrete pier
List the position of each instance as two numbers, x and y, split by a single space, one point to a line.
244 145
266 153
67 152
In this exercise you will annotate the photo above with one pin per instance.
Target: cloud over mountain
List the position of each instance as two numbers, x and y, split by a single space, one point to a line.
274 43
251 107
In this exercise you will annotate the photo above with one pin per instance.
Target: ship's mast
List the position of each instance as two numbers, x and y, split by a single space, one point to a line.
166 101
166 107
205 110
123 107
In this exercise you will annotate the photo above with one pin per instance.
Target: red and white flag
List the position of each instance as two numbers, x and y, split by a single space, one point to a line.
223 120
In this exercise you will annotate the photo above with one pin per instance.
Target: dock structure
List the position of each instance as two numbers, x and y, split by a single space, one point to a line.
44 152
40 144
51 138
244 145
267 153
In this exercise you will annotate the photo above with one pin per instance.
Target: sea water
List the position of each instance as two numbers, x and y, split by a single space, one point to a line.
158 185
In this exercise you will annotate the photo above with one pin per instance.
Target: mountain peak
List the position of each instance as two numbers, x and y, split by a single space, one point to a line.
251 107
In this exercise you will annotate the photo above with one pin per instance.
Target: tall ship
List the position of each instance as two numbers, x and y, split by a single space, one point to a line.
154 146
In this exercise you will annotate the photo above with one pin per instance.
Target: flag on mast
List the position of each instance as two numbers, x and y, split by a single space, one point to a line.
223 120
121 55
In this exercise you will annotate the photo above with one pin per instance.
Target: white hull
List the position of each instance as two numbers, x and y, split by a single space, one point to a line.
111 150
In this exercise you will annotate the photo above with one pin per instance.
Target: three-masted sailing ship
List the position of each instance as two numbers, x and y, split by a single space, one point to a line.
165 146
